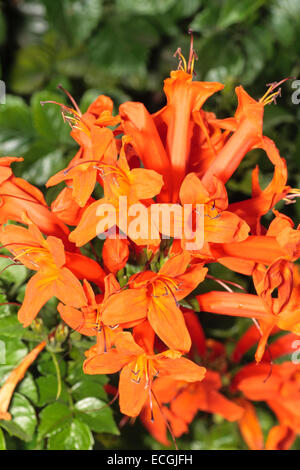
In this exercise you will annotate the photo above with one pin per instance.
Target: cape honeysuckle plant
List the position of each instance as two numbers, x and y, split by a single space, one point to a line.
135 297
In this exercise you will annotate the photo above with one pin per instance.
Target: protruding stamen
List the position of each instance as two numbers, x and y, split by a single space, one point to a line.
269 96
193 56
70 98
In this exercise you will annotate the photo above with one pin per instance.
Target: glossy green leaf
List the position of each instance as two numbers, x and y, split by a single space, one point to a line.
53 418
28 388
48 388
74 436
24 419
96 414
16 129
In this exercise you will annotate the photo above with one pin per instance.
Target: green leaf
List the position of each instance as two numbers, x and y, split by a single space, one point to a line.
47 119
32 66
16 129
76 19
15 349
5 310
47 367
87 387
145 7
24 419
53 418
11 327
47 388
75 371
205 21
75 436
285 21
28 388
40 171
122 46
2 440
236 12
14 429
14 274
221 65
97 415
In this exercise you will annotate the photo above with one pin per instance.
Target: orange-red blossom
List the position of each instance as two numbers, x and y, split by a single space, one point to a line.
138 370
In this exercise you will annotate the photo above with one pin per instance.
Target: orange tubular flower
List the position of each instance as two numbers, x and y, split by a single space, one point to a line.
7 389
88 320
17 196
48 258
115 254
81 174
280 241
262 201
137 185
252 306
280 389
155 296
138 369
247 126
186 399
168 133
157 418
66 209
249 426
220 226
97 144
280 438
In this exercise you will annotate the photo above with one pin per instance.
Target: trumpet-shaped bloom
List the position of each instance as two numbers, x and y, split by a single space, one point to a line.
138 370
7 389
155 297
17 196
88 320
53 277
137 185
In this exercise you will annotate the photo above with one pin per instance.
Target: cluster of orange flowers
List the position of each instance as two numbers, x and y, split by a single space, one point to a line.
183 155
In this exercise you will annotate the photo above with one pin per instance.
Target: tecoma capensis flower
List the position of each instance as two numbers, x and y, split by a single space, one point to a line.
88 320
280 389
155 296
247 128
137 185
249 425
138 370
115 254
164 140
67 209
251 210
284 315
53 277
97 144
220 226
280 438
7 389
81 174
17 196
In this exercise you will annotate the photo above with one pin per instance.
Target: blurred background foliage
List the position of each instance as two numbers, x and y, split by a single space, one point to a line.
124 48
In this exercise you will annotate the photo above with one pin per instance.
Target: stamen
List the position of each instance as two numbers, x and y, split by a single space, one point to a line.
182 62
192 56
269 98
70 98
